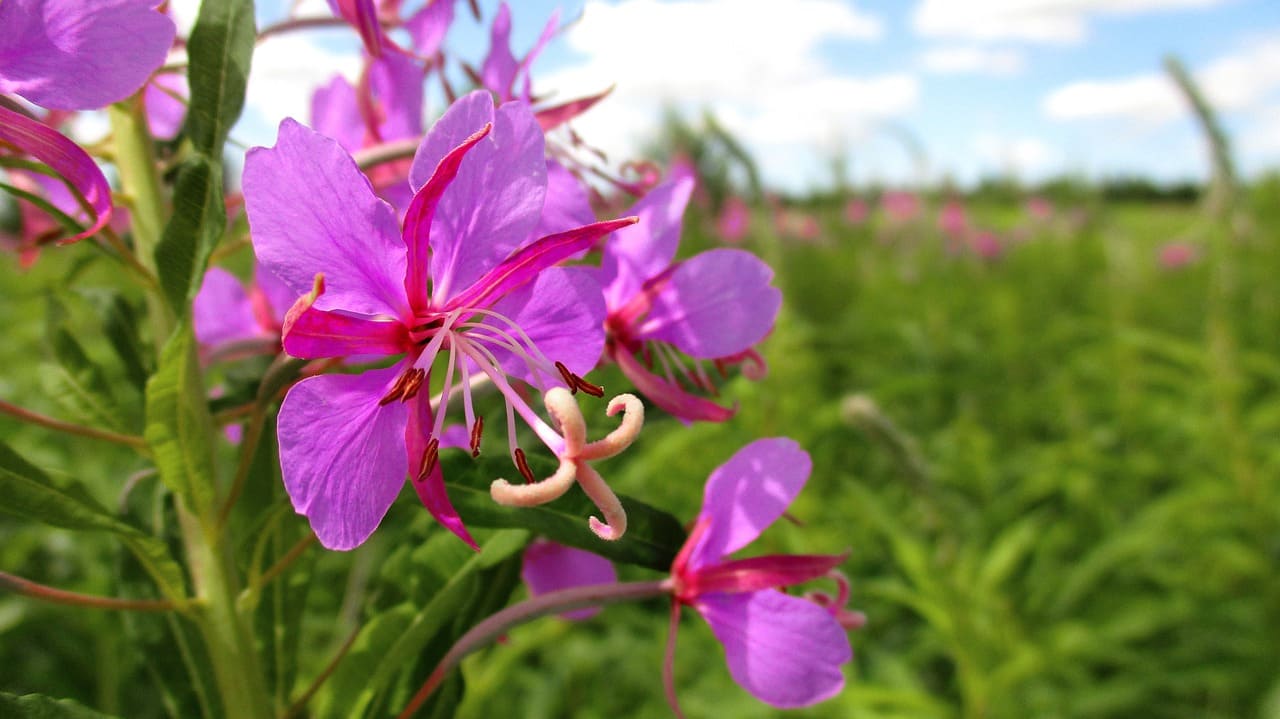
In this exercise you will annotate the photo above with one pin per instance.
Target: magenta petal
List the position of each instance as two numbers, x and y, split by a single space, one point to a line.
715 304
78 55
756 573
342 454
335 113
277 294
785 650
363 16
494 202
222 312
668 396
62 156
429 26
499 69
526 64
637 253
396 81
310 333
431 490
527 262
562 312
421 212
312 212
550 567
552 117
748 493
567 205
165 111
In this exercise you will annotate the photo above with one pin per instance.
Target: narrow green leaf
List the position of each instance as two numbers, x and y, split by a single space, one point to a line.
75 381
179 428
199 217
120 322
27 492
392 641
37 706
220 50
653 537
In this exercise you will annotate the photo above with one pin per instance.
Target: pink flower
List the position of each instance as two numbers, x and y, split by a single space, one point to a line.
734 220
1039 208
855 211
549 566
987 245
785 650
1176 255
953 221
465 280
229 320
900 206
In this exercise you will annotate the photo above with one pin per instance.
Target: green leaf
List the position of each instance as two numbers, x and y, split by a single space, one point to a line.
653 537
199 217
36 706
179 428
220 50
27 492
75 381
393 640
120 323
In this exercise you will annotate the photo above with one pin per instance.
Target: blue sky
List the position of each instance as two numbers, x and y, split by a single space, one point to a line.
1029 87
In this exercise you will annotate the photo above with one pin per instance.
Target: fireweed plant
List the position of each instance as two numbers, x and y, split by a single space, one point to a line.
412 284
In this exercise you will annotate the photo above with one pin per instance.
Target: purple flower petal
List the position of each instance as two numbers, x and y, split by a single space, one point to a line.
312 212
62 156
342 454
785 650
310 333
549 567
715 304
429 26
363 16
747 494
77 55
637 253
396 82
495 202
499 69
668 396
277 294
567 205
165 112
431 490
526 64
562 312
335 113
222 312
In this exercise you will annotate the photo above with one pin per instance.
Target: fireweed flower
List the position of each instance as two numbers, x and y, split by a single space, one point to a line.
787 651
711 307
734 220
463 281
548 566
230 320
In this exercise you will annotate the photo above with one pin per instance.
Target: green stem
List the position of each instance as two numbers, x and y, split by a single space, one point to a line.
226 632
135 158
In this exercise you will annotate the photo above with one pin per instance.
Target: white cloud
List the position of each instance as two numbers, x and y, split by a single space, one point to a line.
1047 21
287 69
972 59
1022 156
1232 83
756 65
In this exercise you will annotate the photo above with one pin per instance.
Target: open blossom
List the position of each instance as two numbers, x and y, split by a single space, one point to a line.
786 650
466 281
229 318
714 306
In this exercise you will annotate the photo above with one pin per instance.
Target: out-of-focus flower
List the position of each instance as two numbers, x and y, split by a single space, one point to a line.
786 650
900 206
987 245
465 280
855 211
166 105
230 321
549 566
714 306
1039 208
1176 255
734 220
953 220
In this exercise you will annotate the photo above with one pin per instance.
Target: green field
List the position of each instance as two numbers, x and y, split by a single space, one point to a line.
1060 486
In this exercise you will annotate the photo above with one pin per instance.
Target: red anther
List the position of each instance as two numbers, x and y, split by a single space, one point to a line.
522 464
477 430
397 389
568 377
412 384
429 457
594 390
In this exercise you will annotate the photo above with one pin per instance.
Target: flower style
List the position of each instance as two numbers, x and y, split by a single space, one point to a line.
714 306
786 650
464 279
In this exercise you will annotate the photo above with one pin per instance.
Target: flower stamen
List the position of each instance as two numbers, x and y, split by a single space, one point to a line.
430 456
522 464
477 430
